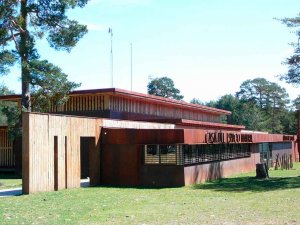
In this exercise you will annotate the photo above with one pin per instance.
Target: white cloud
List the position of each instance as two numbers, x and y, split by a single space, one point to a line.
95 27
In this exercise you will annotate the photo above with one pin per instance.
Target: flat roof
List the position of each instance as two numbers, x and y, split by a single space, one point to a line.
132 94
200 124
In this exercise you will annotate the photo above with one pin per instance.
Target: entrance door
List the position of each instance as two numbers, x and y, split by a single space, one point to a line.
86 146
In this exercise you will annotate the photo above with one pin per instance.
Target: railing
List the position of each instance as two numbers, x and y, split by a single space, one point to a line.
7 156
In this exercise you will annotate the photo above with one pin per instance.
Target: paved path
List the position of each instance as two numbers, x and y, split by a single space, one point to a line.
18 191
10 192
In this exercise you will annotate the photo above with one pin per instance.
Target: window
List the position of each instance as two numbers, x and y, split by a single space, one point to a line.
193 154
182 154
151 154
160 154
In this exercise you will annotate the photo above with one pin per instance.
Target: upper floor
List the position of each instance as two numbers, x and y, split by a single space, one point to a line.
121 104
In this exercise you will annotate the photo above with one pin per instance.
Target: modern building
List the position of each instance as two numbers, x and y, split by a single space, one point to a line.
118 137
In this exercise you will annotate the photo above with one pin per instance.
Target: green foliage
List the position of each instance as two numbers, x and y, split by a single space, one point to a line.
293 62
296 103
164 87
7 59
5 105
259 105
50 85
10 114
21 24
197 101
271 100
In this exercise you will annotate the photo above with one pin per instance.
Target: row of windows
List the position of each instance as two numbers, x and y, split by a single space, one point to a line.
191 154
208 153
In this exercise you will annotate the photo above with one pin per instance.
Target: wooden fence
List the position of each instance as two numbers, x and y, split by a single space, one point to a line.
7 156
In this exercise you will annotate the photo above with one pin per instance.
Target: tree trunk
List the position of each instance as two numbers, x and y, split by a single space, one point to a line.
25 74
262 170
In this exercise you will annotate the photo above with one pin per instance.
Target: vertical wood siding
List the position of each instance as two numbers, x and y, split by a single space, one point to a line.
51 149
39 150
122 104
7 156
82 103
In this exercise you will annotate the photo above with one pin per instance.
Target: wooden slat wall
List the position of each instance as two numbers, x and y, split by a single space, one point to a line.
39 131
82 103
40 172
7 157
122 104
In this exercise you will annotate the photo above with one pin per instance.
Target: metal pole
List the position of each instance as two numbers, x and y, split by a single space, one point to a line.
131 66
111 57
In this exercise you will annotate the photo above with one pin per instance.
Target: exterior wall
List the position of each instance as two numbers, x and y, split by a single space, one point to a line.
205 172
49 164
7 156
121 104
296 152
120 165
51 153
162 175
132 107
51 150
280 153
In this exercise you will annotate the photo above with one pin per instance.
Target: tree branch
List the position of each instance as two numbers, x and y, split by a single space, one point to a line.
14 38
10 38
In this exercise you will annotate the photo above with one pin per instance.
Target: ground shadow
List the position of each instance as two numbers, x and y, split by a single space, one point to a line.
242 184
136 187
11 192
9 175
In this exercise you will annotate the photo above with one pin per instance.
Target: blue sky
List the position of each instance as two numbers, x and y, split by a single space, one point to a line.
208 47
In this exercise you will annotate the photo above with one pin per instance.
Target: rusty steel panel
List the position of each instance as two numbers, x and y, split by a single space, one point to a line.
211 171
162 176
120 165
198 136
142 136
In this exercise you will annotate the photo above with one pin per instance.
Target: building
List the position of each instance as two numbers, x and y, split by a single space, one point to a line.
118 137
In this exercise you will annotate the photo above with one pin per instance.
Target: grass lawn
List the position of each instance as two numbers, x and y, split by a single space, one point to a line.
235 200
9 180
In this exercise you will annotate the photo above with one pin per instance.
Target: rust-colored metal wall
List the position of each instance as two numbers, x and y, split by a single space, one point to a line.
144 136
210 171
162 175
120 165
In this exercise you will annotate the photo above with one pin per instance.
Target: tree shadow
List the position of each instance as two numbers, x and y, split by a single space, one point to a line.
252 184
215 171
9 175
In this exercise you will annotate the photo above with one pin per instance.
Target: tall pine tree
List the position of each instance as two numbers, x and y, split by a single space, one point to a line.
22 22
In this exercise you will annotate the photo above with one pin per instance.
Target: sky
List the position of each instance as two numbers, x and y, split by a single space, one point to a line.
207 47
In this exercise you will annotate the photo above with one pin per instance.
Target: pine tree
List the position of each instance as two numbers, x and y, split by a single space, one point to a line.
22 23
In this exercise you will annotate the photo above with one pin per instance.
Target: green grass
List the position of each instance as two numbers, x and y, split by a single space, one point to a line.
235 200
9 180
